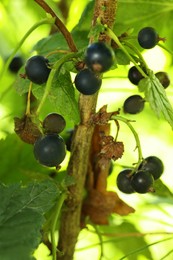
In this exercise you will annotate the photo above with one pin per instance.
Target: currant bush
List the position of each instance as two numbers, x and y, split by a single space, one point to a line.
87 83
99 57
49 150
37 69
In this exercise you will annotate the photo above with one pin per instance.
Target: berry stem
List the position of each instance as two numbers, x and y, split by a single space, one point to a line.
111 34
58 207
138 145
59 24
35 26
101 241
165 48
28 106
55 69
132 47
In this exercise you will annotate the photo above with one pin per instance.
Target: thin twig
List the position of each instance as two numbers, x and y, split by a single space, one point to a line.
59 24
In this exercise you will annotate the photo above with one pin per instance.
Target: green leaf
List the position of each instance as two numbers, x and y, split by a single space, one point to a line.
121 57
95 31
162 190
157 14
18 162
21 85
21 217
129 242
155 94
57 42
20 235
62 96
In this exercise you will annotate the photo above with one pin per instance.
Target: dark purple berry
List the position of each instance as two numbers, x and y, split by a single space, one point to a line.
163 78
148 37
54 123
124 181
153 165
142 181
99 57
49 150
87 83
133 104
37 69
16 64
134 75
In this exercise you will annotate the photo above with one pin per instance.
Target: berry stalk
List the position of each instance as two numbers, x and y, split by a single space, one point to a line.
35 26
54 70
111 34
135 134
54 223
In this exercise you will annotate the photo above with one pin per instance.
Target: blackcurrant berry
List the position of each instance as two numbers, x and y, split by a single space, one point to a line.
54 123
16 64
163 78
153 165
133 104
142 181
49 150
124 181
99 57
148 37
87 83
37 69
134 75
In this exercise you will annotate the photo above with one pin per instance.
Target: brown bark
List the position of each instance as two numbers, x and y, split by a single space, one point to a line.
78 165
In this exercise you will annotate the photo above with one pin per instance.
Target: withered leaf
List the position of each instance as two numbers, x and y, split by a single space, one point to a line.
27 130
99 205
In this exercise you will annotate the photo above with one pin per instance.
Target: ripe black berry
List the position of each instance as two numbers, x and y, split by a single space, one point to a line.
37 69
50 150
54 123
134 75
163 78
153 165
124 181
133 104
99 57
16 64
142 181
87 83
148 37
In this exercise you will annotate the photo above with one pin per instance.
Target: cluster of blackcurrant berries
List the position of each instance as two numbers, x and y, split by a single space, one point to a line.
147 39
142 180
50 149
99 58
